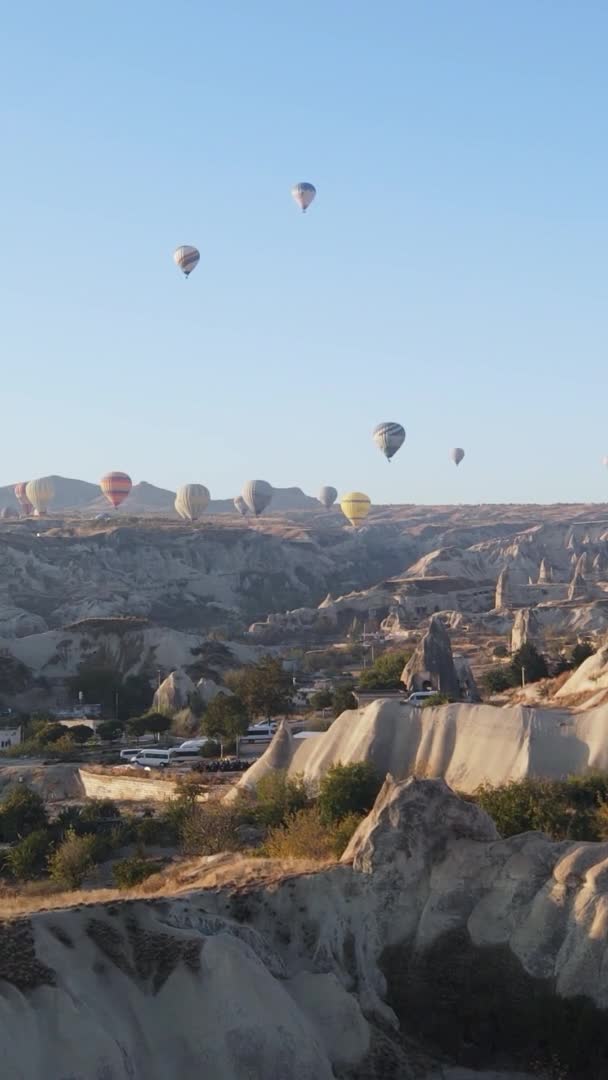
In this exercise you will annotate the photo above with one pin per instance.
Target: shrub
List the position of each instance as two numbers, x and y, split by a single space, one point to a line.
80 733
96 810
348 789
210 749
190 787
132 871
581 652
433 700
210 829
531 662
28 858
500 651
306 835
72 860
567 810
21 812
496 680
109 730
343 700
385 672
277 796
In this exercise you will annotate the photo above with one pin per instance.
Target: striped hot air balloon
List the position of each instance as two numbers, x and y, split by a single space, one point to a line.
241 506
456 454
187 258
257 495
191 501
303 194
355 506
116 486
40 493
388 438
22 499
328 496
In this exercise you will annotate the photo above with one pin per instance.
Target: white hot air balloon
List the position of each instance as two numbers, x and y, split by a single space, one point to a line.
187 258
456 454
256 495
40 493
241 506
191 501
328 496
303 194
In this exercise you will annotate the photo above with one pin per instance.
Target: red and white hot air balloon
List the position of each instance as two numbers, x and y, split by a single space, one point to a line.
116 486
22 499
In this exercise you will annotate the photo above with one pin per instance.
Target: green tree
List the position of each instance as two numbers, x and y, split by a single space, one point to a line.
264 688
348 789
50 733
278 795
343 699
531 662
496 680
157 723
28 858
72 860
385 672
322 699
136 726
22 812
80 733
110 730
581 652
225 718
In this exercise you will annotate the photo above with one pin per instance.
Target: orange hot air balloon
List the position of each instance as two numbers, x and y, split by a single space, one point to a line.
115 486
22 499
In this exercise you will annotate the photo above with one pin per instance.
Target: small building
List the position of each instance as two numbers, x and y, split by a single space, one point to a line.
10 737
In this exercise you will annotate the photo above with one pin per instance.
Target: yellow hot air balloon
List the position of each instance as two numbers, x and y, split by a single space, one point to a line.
40 493
355 506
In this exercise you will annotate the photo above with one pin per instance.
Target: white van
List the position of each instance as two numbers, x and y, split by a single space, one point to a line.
421 695
128 755
152 759
263 730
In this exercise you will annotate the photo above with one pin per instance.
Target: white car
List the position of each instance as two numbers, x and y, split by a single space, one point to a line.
420 696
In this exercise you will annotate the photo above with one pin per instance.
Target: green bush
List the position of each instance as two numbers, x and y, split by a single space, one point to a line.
72 861
306 835
210 749
531 662
348 789
277 796
22 812
162 831
581 652
433 700
500 651
28 858
134 870
497 680
343 700
385 672
210 828
564 809
96 810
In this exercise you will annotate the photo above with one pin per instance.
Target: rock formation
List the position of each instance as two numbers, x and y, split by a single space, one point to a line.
432 664
467 745
545 573
174 693
526 629
578 588
433 941
502 600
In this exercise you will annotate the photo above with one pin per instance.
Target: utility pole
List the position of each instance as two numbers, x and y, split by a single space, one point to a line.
523 676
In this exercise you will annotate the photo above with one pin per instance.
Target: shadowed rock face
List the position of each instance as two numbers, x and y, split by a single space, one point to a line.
433 940
432 663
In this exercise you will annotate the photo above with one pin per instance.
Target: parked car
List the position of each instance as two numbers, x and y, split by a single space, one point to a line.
420 696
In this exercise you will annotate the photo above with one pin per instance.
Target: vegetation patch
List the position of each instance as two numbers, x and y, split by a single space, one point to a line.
19 964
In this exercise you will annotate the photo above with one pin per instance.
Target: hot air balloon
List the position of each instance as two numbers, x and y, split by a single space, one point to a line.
241 506
355 506
191 501
7 512
328 496
40 493
186 257
22 499
303 194
388 438
116 486
256 495
604 463
457 454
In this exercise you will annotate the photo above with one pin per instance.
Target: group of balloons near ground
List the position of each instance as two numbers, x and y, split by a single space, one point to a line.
191 500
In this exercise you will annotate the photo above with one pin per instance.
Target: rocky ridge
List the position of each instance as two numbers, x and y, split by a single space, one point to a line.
433 945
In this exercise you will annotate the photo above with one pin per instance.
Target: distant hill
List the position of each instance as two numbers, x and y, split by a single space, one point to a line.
80 496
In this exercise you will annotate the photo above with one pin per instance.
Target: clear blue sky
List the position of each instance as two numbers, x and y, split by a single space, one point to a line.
451 275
